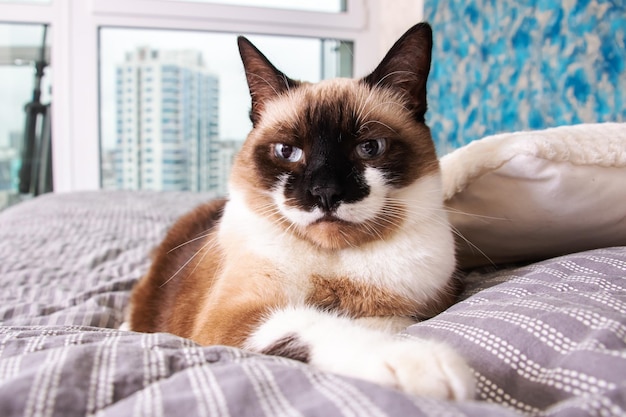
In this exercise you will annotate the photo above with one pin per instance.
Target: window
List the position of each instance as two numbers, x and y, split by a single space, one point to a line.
331 6
24 112
209 59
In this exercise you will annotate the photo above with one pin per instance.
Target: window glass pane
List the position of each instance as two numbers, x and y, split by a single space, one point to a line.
24 103
331 6
173 118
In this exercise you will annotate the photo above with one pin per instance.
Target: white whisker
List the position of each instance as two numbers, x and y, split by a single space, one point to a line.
209 243
265 81
395 103
202 236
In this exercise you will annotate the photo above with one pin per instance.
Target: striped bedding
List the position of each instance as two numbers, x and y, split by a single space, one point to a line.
546 339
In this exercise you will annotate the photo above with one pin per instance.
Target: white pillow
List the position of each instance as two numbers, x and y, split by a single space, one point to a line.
532 195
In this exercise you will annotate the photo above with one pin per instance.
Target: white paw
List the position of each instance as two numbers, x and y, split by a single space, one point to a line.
418 367
341 345
427 368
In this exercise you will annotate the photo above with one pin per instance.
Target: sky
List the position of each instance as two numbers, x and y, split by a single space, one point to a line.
297 57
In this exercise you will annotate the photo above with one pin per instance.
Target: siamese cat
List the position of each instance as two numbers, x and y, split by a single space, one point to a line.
333 237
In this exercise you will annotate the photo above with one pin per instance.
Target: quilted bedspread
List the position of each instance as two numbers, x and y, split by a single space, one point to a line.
545 339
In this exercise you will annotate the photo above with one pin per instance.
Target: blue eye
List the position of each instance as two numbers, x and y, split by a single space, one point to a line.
370 149
288 152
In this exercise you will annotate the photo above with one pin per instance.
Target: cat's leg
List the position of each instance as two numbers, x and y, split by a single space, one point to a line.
345 346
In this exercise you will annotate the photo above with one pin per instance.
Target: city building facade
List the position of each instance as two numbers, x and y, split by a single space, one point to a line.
167 122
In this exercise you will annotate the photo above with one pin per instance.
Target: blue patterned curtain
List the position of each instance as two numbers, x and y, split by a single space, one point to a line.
501 66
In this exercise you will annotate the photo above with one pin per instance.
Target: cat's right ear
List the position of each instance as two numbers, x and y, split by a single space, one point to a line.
264 80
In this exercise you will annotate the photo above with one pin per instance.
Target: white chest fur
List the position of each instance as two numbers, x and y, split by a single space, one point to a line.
416 261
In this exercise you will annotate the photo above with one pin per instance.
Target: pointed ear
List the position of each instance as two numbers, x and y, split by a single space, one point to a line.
264 80
405 68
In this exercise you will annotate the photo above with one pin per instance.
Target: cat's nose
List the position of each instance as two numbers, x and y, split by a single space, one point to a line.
327 195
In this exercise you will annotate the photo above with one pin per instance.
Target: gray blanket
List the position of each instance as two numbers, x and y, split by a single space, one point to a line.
543 339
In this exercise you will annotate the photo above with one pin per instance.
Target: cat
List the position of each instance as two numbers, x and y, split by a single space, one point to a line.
333 237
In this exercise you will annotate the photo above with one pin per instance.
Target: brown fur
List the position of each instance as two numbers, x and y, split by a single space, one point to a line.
244 292
196 301
361 300
157 298
289 347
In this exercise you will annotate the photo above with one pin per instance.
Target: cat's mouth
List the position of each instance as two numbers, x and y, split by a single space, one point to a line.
330 218
330 231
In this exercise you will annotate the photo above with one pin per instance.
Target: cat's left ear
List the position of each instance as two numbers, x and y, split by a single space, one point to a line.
405 68
264 80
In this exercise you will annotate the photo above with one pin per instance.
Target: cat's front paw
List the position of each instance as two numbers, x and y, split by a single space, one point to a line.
428 368
338 344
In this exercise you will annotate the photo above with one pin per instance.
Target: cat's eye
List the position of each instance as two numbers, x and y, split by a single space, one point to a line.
288 153
370 149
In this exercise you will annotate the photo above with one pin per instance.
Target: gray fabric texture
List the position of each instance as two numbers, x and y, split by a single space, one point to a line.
546 339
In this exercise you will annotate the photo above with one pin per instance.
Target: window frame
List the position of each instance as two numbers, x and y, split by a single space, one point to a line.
75 28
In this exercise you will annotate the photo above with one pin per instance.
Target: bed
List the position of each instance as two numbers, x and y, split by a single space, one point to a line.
541 321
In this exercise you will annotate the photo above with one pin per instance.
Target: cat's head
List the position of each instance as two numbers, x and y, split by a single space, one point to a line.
336 162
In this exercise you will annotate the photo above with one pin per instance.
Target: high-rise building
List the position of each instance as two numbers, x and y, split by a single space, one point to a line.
227 149
167 122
